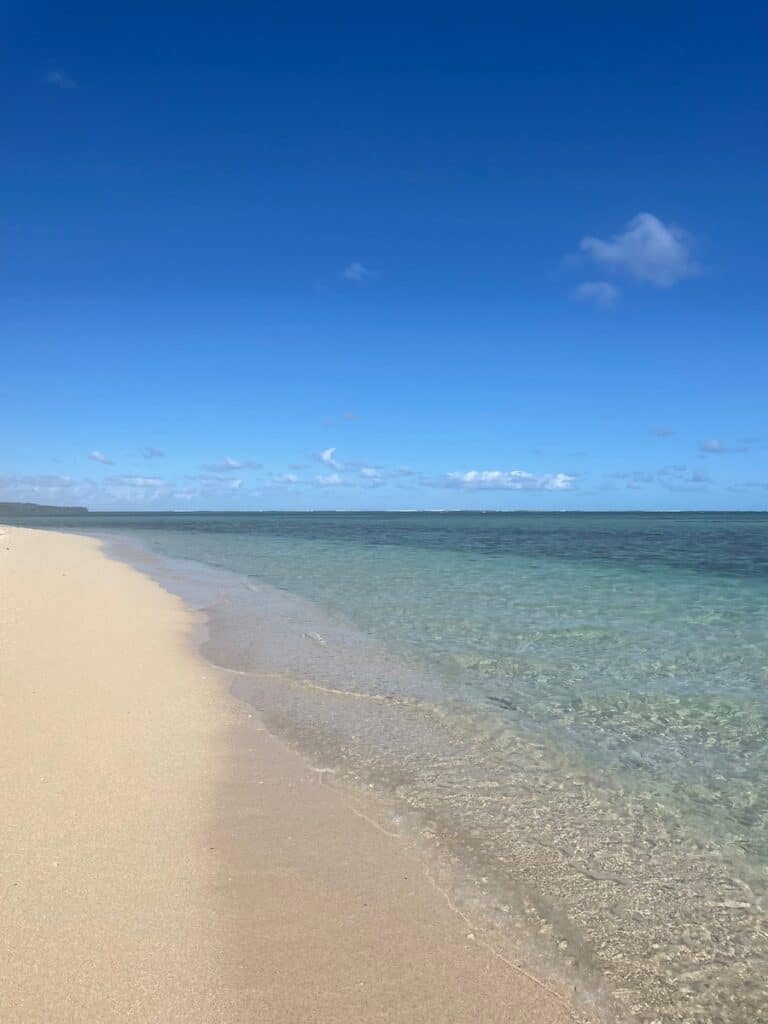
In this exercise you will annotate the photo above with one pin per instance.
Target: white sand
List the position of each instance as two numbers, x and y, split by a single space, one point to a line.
164 859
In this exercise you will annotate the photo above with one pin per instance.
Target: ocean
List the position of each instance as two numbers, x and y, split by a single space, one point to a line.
568 711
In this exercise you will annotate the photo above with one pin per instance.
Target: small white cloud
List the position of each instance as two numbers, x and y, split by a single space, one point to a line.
229 465
285 478
355 272
332 480
602 293
370 473
60 80
28 486
152 453
326 456
647 249
510 480
675 477
97 456
679 478
761 485
137 481
715 447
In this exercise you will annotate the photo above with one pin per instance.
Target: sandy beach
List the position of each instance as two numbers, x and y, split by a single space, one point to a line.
165 859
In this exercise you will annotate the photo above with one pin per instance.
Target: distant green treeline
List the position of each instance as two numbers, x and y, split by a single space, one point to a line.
29 508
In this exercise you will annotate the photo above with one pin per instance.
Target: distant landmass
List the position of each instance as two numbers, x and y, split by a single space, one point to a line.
29 508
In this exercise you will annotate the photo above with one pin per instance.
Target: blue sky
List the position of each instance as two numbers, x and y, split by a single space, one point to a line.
323 256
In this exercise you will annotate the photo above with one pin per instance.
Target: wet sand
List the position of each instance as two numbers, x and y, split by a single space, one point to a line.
165 859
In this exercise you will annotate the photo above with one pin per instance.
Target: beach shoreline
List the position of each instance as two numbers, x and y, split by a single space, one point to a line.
168 858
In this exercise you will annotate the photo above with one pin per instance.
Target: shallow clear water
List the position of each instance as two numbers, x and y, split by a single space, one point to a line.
572 706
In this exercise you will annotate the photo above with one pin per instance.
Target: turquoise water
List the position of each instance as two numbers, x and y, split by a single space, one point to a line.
572 707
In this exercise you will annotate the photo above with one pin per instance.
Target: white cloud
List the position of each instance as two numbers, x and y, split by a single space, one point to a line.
647 249
97 456
509 480
674 478
228 465
212 482
121 491
16 486
60 80
285 478
326 456
370 473
715 447
355 272
695 477
750 485
602 293
332 480
136 481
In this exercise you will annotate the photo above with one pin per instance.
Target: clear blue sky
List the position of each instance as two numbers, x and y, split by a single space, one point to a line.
343 256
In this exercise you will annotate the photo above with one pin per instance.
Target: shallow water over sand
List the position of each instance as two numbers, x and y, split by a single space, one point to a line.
573 709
